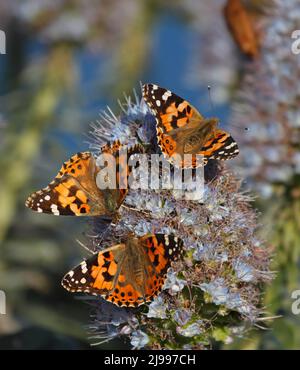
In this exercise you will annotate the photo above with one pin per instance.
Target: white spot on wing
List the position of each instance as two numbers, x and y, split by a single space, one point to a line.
230 146
54 209
83 267
166 95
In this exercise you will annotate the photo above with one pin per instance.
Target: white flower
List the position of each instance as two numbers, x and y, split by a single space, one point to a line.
157 309
139 339
192 330
173 284
243 271
182 316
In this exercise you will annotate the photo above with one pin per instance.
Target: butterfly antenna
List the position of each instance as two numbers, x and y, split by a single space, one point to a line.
213 108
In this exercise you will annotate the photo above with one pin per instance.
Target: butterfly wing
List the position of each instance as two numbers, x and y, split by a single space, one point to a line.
110 273
73 192
104 274
180 127
98 274
173 115
143 271
161 251
240 25
221 147
122 154
170 110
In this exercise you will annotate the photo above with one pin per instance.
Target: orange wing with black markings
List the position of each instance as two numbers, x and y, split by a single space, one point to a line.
172 114
74 191
129 274
221 147
170 110
182 130
240 24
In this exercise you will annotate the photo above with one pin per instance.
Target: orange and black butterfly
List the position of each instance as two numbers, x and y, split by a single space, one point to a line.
74 191
241 27
182 130
127 274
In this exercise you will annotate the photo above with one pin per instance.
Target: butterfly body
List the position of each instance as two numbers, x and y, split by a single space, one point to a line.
191 139
181 129
136 266
127 274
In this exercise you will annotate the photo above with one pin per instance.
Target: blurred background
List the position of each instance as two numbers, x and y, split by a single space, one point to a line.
66 61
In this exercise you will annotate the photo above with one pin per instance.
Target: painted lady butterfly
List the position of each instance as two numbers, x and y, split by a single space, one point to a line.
181 129
74 191
127 274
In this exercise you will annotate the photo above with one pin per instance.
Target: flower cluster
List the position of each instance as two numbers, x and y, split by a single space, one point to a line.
268 103
213 292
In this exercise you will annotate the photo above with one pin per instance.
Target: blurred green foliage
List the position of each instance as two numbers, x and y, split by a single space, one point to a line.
46 114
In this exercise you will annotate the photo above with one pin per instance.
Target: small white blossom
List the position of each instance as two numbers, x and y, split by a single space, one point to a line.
139 339
157 309
191 330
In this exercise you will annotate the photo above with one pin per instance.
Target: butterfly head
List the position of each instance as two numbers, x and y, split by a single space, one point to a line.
208 128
